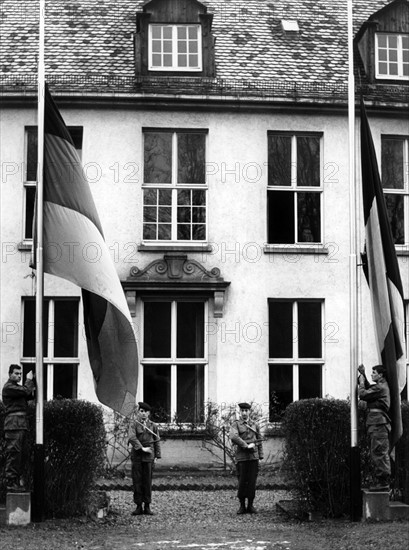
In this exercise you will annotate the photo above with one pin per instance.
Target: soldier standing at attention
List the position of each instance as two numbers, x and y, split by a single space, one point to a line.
144 438
249 450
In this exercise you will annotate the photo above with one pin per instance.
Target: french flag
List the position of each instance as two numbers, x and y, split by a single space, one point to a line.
75 249
383 277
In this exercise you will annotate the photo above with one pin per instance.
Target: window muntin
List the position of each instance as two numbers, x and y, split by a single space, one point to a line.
395 182
392 56
174 189
31 173
294 192
60 344
174 371
295 352
175 48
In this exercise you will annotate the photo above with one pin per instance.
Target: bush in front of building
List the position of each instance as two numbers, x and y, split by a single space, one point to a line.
74 446
402 457
317 442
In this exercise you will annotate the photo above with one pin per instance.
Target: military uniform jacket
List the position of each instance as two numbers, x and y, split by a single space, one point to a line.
377 396
241 434
140 436
15 398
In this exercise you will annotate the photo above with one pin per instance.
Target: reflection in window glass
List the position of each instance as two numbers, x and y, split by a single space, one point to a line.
190 393
190 329
156 391
157 329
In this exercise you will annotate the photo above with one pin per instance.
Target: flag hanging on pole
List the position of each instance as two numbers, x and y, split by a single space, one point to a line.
75 249
383 277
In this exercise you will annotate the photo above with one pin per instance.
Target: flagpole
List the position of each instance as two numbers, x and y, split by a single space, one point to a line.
355 481
38 495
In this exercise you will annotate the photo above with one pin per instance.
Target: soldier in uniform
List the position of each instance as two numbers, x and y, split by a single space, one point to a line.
245 434
15 398
144 438
376 396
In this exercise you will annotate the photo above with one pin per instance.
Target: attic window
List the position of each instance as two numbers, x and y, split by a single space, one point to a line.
290 26
175 47
392 56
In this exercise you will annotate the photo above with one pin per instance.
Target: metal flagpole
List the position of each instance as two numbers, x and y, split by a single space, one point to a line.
38 496
355 481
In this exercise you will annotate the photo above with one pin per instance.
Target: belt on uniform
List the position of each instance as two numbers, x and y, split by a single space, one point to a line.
16 414
377 411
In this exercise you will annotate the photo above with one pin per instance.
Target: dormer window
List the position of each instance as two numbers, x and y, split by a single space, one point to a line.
174 39
392 56
175 48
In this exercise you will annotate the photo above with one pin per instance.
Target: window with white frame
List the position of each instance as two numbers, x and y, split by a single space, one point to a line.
174 359
392 56
405 392
60 344
395 182
31 173
174 189
175 48
295 352
294 193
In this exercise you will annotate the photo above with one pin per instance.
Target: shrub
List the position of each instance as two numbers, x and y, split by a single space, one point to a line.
402 456
74 444
316 453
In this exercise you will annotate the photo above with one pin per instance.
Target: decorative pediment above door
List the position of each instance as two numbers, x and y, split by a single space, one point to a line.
177 274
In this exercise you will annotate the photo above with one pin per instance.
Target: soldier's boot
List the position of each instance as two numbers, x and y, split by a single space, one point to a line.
242 509
250 507
138 511
148 510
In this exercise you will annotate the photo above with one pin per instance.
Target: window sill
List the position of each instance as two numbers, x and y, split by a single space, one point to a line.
173 247
296 249
402 251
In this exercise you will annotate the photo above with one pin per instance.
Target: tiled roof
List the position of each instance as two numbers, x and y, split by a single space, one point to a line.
89 43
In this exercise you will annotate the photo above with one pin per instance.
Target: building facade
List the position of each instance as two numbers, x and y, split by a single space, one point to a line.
214 136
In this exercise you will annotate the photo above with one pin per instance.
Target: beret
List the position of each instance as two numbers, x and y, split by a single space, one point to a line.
244 406
144 406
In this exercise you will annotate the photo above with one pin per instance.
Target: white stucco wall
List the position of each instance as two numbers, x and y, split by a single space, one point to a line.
236 156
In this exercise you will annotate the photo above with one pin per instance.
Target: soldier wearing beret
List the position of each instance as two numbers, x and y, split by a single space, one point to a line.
144 438
245 434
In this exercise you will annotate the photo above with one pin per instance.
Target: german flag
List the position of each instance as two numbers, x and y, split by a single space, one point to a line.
383 277
75 249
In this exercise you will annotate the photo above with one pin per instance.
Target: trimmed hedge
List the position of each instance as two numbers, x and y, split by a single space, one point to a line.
74 445
317 454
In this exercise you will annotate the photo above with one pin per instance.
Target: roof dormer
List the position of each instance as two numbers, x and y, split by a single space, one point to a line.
173 38
383 43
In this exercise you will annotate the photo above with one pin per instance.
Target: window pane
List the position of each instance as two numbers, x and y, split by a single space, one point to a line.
310 384
191 158
280 215
190 393
156 329
66 328
309 329
31 154
65 381
392 163
190 329
394 206
164 232
198 232
279 160
156 391
30 202
308 161
184 233
280 389
309 217
280 329
158 158
29 332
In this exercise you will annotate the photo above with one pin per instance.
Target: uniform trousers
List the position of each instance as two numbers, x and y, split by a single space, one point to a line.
16 455
379 435
142 481
247 471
